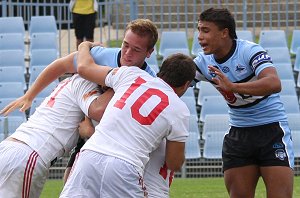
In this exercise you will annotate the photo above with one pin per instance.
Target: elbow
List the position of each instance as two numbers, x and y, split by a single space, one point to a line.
276 86
175 166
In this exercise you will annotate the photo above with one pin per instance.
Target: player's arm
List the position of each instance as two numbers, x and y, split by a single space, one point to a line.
267 83
53 71
86 66
175 155
98 106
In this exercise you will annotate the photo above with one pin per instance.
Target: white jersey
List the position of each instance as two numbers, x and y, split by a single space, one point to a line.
157 176
138 117
53 129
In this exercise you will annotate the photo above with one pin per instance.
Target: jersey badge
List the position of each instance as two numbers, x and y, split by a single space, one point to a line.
240 69
225 69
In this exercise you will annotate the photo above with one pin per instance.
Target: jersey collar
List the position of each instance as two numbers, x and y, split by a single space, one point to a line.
225 58
119 62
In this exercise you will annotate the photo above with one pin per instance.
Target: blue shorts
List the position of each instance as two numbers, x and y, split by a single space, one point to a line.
265 145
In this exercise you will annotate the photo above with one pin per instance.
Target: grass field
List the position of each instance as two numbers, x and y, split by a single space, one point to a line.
183 188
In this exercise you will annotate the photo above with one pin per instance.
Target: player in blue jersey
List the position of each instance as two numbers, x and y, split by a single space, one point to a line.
259 140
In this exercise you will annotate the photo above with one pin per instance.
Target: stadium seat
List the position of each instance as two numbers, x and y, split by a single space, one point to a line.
5 101
43 41
190 103
295 43
35 103
294 125
41 58
35 72
213 145
285 71
194 126
245 35
48 90
279 55
11 89
13 74
290 103
196 48
168 52
13 41
215 123
296 142
206 89
272 38
189 92
12 58
152 62
213 105
192 148
42 24
167 41
288 87
10 25
297 61
298 80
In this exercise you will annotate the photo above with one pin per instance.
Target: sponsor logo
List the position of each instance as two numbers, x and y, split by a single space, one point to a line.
261 58
225 69
240 69
277 145
280 154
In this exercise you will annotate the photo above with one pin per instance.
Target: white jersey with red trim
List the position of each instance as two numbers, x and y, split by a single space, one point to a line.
143 111
53 129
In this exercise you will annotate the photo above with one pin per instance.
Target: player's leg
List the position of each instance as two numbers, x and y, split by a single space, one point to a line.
278 181
241 181
90 21
78 24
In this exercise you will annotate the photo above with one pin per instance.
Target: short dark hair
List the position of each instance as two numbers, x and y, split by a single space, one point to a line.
177 69
222 18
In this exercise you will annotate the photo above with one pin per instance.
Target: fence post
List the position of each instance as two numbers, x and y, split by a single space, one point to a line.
133 10
245 15
4 6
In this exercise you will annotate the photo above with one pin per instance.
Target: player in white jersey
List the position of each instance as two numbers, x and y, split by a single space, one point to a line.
131 53
259 141
142 112
49 133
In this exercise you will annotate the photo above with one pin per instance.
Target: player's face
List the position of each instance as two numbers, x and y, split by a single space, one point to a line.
134 49
210 37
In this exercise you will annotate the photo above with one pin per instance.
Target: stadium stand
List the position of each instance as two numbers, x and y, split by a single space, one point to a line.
41 58
42 24
213 105
11 89
13 74
297 61
295 43
152 61
206 89
13 58
12 41
10 25
167 41
272 38
215 123
192 148
213 145
196 48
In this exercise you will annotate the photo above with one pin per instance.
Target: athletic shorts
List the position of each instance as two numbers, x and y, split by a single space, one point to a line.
79 145
265 145
84 25
23 173
98 175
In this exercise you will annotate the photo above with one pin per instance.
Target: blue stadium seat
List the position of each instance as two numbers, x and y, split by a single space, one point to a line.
14 122
11 89
13 74
169 51
288 87
297 61
285 71
194 126
213 105
290 103
196 47
35 72
189 92
245 35
152 62
48 90
43 41
206 89
295 43
279 55
42 58
192 147
213 145
215 123
42 24
172 40
272 38
12 58
294 125
298 81
12 41
12 25
35 103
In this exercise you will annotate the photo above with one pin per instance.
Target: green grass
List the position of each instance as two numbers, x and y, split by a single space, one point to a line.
183 188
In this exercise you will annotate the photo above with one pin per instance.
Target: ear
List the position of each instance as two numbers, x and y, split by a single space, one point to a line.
225 33
149 52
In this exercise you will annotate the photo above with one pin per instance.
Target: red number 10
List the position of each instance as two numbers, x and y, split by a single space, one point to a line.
149 119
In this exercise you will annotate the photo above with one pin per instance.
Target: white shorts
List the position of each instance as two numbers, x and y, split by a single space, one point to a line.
23 173
98 175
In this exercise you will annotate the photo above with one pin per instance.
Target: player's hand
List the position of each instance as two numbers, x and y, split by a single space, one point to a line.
86 128
89 44
23 103
220 79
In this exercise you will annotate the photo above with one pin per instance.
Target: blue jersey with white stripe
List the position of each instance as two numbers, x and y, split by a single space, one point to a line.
111 57
243 64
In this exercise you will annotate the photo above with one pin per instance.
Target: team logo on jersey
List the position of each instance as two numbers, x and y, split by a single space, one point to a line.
278 145
225 69
280 154
240 69
260 58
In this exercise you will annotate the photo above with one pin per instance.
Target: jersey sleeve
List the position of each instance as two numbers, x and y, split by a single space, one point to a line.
95 52
85 92
116 77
